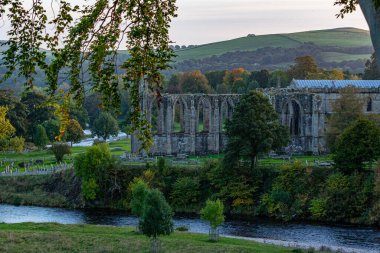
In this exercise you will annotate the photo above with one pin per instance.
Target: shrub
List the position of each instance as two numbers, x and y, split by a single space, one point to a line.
139 190
17 144
213 213
89 189
60 150
185 193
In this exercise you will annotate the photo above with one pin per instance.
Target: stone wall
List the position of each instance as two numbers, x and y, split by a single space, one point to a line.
193 123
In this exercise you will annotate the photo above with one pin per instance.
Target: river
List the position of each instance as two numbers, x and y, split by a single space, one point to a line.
345 238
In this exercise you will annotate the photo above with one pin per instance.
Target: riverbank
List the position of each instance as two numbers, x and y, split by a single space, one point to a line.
52 237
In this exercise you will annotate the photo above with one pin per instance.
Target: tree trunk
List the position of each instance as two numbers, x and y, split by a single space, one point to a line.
372 16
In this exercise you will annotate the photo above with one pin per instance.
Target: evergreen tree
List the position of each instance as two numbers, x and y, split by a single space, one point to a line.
254 129
40 137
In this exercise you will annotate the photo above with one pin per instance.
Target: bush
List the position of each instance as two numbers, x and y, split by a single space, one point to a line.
213 213
17 144
60 150
93 168
139 190
185 193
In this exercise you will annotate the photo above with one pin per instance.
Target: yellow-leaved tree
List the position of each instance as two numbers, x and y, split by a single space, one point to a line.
6 128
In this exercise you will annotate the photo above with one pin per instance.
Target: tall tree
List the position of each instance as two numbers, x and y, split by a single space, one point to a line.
74 132
6 128
304 66
17 111
254 129
40 137
38 110
194 82
100 28
346 109
105 126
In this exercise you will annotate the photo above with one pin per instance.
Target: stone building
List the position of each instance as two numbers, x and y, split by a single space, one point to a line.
194 123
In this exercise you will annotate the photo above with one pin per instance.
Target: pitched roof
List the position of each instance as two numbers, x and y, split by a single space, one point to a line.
300 84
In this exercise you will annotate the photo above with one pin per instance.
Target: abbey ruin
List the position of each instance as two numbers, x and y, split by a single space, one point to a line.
194 123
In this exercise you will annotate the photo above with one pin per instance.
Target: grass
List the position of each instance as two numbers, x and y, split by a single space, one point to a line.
52 237
342 37
117 148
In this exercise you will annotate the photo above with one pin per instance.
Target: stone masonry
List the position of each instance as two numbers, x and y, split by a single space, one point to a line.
193 123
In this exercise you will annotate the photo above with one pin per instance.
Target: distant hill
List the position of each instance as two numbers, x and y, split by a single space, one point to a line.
340 47
345 48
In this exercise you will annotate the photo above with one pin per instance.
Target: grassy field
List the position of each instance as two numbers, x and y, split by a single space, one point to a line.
51 237
117 148
342 37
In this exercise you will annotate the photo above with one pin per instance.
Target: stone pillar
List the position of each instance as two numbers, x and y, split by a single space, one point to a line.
192 126
169 125
216 128
315 125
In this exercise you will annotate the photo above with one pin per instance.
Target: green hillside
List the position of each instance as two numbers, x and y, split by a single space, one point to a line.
340 37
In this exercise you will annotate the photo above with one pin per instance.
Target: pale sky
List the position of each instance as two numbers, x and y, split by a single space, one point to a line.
205 21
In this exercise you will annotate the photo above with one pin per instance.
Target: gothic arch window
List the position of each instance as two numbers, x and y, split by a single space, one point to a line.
226 111
155 116
179 110
291 117
203 123
369 104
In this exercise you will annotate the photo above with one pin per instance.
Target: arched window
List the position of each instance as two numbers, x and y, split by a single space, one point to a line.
226 111
178 117
291 117
204 117
369 105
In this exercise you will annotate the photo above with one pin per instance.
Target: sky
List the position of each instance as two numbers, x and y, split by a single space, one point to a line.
205 21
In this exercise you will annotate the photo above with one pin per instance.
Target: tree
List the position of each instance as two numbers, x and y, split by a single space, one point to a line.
359 143
194 82
304 66
17 111
261 77
60 150
371 11
213 213
93 168
38 110
254 129
6 128
139 190
157 217
189 82
52 127
371 71
99 29
346 109
74 132
40 137
105 126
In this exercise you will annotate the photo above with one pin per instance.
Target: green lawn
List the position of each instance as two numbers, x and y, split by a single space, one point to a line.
52 237
117 148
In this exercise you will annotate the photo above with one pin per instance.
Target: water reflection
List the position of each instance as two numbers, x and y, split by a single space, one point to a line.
345 237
